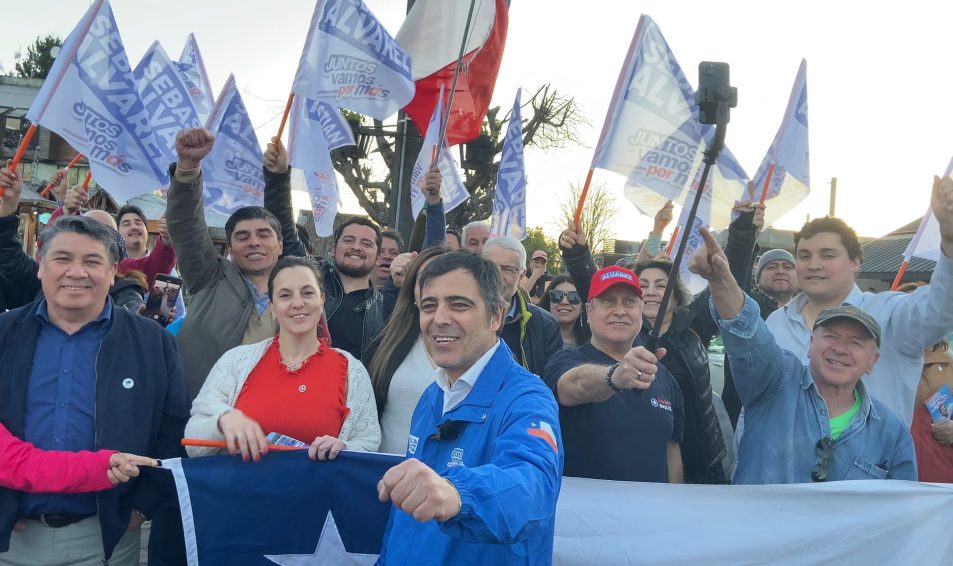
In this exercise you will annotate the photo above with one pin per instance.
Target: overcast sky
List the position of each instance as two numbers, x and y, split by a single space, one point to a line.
879 80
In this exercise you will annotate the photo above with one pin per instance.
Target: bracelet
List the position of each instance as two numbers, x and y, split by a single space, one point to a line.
609 373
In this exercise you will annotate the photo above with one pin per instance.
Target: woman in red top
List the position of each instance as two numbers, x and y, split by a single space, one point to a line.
294 384
24 467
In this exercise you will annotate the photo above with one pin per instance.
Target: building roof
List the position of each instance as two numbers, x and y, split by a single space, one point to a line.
882 257
17 93
153 206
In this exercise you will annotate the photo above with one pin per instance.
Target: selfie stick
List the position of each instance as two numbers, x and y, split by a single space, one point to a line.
724 97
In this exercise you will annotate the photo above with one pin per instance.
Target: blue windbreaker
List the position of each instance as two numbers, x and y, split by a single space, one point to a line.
507 464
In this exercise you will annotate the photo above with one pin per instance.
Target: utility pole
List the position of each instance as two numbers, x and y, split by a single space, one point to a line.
409 143
830 211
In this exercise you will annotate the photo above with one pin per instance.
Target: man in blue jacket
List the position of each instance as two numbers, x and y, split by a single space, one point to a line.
80 374
484 453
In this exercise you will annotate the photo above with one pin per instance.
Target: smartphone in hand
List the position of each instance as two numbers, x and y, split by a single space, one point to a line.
162 298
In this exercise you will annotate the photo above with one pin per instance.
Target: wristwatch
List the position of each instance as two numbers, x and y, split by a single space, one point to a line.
609 373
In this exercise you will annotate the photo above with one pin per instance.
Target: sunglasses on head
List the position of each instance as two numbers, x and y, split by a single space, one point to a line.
571 296
823 450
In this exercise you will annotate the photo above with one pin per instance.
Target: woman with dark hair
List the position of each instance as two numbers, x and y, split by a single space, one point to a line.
294 384
400 367
564 301
687 328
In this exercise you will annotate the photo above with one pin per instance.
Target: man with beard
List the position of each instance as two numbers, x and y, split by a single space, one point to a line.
392 245
777 281
353 307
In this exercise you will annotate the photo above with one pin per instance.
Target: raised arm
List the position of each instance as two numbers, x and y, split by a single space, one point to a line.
278 197
757 361
20 282
435 233
577 258
185 211
922 319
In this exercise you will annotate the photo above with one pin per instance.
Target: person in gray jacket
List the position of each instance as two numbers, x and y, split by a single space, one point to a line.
229 304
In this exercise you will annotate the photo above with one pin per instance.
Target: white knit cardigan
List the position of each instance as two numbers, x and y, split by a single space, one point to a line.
360 431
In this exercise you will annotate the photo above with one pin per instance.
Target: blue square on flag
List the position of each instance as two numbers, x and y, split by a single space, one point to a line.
284 509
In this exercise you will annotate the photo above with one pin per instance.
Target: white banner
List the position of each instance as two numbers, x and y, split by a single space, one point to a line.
846 522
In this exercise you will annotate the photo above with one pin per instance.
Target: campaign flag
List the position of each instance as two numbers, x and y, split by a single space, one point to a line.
284 509
451 186
90 99
166 98
192 67
432 34
232 170
351 61
316 128
653 136
791 179
695 283
509 203
926 242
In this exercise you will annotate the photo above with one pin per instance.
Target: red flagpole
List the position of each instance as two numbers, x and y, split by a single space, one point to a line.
671 242
899 277
221 444
767 182
582 200
284 117
22 149
49 187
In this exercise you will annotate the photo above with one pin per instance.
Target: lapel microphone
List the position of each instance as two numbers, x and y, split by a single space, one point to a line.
447 430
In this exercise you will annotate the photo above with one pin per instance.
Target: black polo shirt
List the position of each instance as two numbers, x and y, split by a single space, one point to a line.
624 437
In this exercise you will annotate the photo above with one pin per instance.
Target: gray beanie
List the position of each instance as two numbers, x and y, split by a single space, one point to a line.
773 255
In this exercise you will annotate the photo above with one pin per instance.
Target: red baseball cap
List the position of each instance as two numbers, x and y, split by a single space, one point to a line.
613 275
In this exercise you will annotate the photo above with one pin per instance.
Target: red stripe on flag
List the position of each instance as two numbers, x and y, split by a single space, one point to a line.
474 89
545 436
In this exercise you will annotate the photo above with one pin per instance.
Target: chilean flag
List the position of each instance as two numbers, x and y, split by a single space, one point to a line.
432 35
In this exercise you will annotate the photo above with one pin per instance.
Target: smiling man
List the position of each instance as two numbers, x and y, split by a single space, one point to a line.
828 257
776 278
229 304
80 374
354 308
392 245
484 453
803 424
620 410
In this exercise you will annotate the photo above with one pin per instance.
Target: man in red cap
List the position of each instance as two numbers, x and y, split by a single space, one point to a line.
620 411
537 278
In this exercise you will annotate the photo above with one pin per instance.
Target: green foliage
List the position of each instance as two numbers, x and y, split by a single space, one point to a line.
38 60
536 239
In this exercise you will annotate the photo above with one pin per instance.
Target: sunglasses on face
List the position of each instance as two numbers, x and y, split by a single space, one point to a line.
571 296
823 450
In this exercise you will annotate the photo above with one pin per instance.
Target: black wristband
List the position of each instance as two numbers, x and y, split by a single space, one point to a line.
609 373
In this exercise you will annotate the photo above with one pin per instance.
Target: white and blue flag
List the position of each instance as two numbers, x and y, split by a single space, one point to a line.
90 99
316 128
695 283
350 61
166 98
452 189
653 136
284 509
789 153
509 202
232 171
192 67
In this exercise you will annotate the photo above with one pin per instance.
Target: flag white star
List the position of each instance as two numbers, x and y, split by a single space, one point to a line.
330 550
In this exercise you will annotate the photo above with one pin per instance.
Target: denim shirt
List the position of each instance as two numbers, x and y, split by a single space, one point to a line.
785 416
910 323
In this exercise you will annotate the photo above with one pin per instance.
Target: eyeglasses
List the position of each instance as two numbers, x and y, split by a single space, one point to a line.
823 450
573 297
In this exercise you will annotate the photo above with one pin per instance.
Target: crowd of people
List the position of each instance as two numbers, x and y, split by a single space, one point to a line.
494 377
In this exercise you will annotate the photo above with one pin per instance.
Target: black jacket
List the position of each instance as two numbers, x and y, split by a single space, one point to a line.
19 284
278 202
533 335
372 318
148 418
